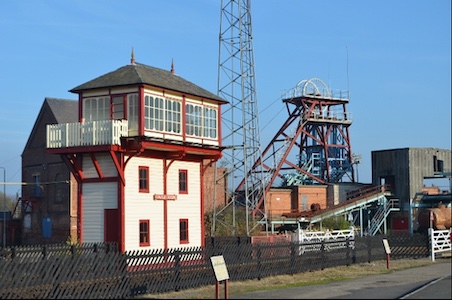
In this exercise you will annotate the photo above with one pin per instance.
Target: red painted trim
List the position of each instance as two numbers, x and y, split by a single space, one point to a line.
84 149
170 155
111 103
121 215
175 147
80 107
71 168
220 128
126 106
117 163
156 88
96 165
186 241
80 212
77 165
141 111
186 181
148 243
160 89
165 205
184 119
202 201
145 190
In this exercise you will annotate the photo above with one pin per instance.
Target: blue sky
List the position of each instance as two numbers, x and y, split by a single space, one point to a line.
394 56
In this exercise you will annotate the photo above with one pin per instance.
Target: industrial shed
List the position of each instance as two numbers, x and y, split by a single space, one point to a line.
405 169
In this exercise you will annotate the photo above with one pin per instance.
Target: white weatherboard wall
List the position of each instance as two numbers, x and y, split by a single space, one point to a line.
142 206
96 198
187 206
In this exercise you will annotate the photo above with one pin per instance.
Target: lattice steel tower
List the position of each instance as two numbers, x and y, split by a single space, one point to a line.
240 127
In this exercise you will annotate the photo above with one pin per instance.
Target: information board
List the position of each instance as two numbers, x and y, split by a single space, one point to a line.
219 267
386 244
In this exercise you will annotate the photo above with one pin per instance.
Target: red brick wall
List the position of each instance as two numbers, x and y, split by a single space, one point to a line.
285 200
314 194
278 201
209 185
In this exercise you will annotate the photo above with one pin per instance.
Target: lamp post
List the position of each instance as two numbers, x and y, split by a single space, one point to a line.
4 206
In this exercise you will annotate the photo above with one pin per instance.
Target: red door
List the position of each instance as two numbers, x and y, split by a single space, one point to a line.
111 229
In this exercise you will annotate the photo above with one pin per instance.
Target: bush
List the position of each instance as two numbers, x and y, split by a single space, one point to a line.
336 223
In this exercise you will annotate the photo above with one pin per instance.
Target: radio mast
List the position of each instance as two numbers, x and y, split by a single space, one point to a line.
240 127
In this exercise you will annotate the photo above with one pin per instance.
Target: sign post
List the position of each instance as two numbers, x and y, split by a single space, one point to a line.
221 274
388 251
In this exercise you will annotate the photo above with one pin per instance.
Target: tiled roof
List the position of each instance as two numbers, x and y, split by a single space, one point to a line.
65 111
137 73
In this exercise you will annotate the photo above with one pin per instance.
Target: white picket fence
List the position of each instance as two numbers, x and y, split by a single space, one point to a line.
337 239
439 241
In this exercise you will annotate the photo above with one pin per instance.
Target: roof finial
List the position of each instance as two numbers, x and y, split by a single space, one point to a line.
132 60
172 65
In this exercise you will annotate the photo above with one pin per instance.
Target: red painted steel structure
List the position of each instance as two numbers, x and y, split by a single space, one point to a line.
313 145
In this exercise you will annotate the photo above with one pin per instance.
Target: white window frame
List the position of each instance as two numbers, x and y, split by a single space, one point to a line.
162 114
96 108
201 121
132 111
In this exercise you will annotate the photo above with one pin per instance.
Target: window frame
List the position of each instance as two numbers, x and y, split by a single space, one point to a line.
118 104
144 236
210 122
96 108
201 120
183 182
132 111
141 179
183 232
162 114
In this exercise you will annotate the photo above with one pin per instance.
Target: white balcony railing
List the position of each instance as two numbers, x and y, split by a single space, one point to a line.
105 132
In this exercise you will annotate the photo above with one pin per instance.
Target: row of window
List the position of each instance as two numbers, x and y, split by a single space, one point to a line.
143 179
145 232
159 114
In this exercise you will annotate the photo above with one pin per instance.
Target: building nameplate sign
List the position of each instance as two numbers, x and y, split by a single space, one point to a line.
165 197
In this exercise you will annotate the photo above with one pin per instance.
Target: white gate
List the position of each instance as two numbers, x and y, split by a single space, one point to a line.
439 241
336 239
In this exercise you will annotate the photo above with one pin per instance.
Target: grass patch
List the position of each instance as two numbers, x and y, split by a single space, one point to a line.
324 276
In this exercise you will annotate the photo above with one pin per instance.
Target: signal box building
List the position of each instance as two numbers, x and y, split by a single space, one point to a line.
140 149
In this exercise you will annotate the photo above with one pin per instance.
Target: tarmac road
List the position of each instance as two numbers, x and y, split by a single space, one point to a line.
426 282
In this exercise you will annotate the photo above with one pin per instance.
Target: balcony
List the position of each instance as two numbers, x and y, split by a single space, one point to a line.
97 133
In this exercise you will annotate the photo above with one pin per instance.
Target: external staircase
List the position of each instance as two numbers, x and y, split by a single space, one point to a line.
378 197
